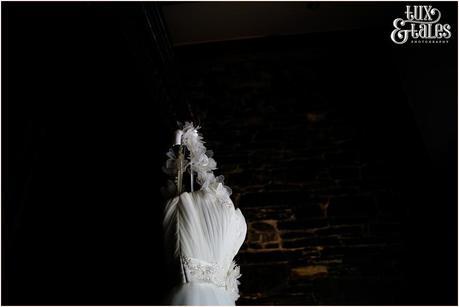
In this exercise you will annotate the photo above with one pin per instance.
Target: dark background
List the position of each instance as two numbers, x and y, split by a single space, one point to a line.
340 147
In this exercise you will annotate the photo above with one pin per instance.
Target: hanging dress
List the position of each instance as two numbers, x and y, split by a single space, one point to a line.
203 232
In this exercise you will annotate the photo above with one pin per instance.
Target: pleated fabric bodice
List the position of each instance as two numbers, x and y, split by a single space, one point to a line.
202 236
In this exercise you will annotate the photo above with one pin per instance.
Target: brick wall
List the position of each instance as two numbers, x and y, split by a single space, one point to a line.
324 220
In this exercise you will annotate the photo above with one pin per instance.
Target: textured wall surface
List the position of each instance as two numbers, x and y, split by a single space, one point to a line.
298 143
319 137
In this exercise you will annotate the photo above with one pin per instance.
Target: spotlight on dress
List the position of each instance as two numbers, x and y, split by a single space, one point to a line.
203 231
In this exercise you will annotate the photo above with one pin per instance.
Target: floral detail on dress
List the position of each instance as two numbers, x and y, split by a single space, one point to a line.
232 282
200 162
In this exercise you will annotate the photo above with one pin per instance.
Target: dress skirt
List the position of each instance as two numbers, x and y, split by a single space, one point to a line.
199 293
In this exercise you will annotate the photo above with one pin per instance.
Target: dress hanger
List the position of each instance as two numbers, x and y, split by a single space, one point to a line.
181 163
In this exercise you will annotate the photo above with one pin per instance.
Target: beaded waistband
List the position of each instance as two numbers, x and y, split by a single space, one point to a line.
196 270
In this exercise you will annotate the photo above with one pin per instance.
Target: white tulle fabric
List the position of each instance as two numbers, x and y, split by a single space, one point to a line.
203 233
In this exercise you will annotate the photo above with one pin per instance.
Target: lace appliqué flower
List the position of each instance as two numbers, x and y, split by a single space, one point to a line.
232 282
201 163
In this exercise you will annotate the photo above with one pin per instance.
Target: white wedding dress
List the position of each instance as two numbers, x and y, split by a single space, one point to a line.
203 233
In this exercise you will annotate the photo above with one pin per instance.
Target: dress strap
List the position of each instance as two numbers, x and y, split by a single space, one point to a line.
191 177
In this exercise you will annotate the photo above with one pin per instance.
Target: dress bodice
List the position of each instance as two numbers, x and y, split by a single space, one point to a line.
203 236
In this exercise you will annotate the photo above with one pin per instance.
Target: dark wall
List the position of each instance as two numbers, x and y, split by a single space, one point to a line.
340 149
341 152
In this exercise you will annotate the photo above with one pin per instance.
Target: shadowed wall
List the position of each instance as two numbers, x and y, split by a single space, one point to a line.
340 148
316 138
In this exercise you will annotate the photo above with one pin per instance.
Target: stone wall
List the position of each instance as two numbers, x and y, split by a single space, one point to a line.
323 213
